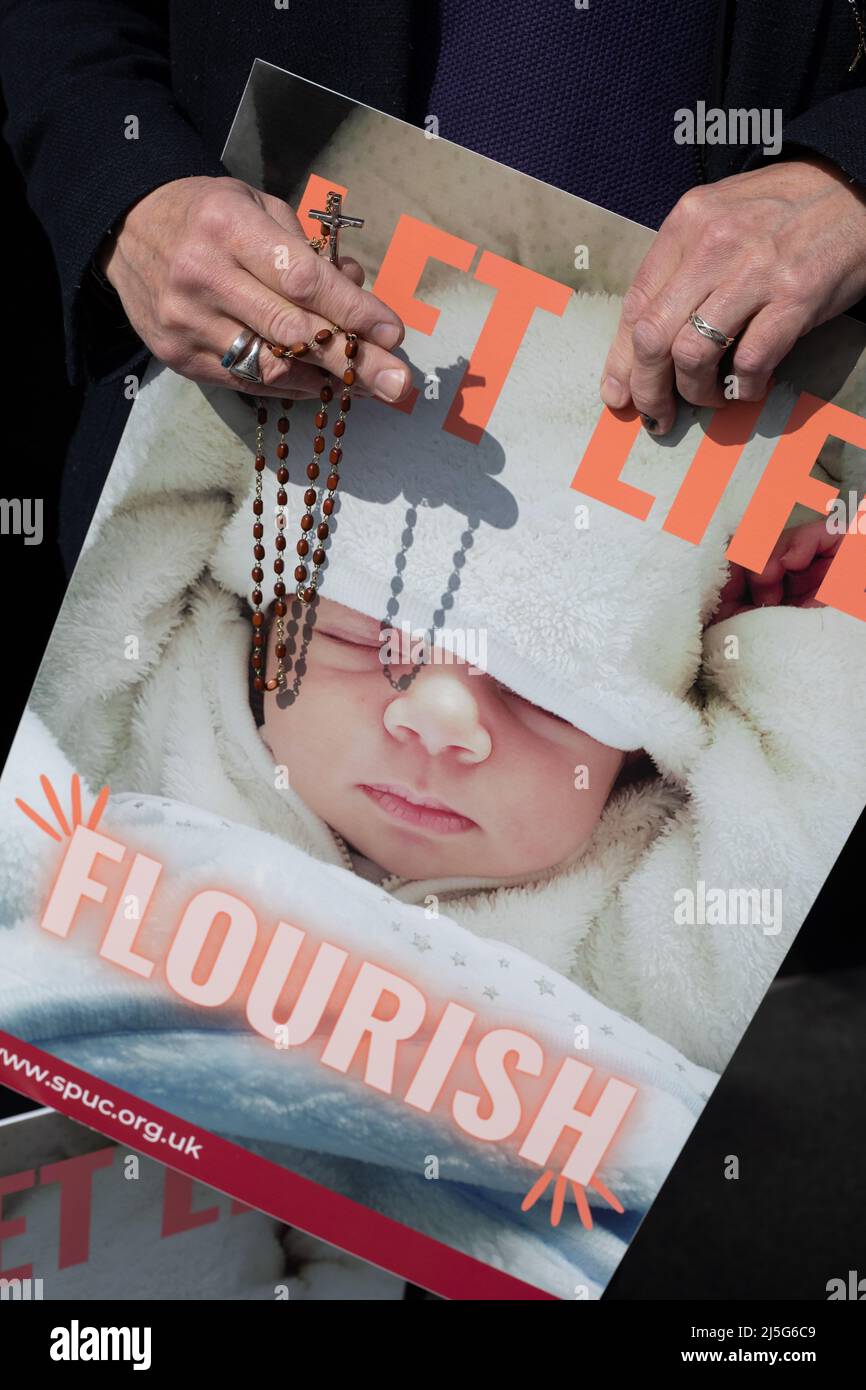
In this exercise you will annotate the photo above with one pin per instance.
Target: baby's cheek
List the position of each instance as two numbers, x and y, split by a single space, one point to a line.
563 796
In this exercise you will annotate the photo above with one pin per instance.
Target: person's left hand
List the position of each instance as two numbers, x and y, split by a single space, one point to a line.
763 256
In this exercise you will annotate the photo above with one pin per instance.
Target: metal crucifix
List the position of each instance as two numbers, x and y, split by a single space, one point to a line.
333 221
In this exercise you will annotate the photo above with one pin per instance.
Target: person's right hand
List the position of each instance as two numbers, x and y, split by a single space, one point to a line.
197 260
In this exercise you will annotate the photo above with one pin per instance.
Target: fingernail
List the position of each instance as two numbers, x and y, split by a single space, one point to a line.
649 423
386 335
390 384
613 393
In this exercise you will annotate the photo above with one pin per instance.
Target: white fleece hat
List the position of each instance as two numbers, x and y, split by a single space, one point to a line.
601 622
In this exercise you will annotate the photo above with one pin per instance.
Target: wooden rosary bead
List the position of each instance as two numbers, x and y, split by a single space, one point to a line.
312 471
280 542
282 451
258 619
280 650
299 349
280 608
258 638
302 547
258 683
257 596
260 463
324 335
319 443
321 420
258 660
332 482
258 574
271 684
352 348
262 415
306 522
259 552
323 530
345 402
328 506
279 565
279 588
335 455
349 376
258 530
258 506
301 572
282 498
309 496
339 428
318 556
309 594
283 424
282 475
326 393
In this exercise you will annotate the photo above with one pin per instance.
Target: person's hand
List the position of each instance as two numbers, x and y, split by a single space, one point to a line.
763 256
199 259
792 576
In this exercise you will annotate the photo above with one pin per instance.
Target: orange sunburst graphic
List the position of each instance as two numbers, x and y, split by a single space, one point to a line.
559 1192
66 825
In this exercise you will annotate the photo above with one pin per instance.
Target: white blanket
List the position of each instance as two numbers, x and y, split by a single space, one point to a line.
210 1068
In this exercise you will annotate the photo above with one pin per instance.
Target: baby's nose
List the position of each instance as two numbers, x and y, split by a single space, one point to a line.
441 711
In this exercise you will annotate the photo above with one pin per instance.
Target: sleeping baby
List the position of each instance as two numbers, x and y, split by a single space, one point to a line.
436 770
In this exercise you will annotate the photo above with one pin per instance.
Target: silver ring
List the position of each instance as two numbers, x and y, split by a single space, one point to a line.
707 331
233 353
246 366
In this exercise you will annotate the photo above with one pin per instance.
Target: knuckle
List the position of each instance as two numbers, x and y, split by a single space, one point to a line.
691 206
788 282
171 313
281 324
301 276
650 340
213 216
753 360
634 304
719 235
689 356
187 270
169 348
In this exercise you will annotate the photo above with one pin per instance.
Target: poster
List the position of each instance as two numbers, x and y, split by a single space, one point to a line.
437 951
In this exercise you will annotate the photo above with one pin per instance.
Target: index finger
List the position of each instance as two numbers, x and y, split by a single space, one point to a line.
282 259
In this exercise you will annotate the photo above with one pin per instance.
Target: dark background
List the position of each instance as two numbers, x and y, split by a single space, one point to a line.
790 1105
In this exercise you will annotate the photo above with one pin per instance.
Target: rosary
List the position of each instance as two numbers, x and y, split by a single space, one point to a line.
318 497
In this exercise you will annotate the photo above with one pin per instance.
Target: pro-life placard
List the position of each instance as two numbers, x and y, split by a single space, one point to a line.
437 950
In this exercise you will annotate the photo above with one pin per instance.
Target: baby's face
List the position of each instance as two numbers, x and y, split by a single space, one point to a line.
455 775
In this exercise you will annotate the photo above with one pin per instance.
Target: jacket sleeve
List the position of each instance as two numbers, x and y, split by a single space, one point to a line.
93 126
836 129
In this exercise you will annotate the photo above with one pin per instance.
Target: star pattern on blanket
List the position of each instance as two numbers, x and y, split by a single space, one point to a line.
421 943
490 992
457 959
544 986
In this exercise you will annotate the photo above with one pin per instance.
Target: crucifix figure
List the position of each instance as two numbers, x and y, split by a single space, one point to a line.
333 221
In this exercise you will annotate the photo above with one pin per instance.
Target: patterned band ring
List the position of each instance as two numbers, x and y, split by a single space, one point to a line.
708 331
